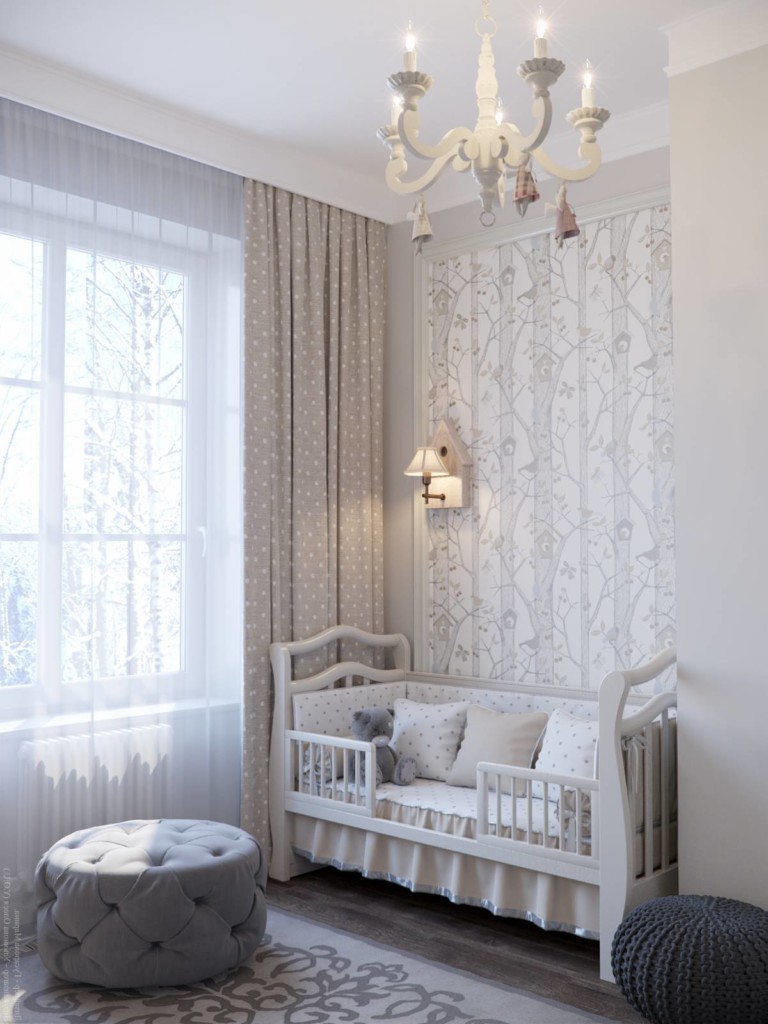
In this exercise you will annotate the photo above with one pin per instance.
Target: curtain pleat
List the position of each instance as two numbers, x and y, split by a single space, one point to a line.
314 318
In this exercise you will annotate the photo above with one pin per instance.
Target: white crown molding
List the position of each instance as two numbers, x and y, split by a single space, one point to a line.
716 34
59 90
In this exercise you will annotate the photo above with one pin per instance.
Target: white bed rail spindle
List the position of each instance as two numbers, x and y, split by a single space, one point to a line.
318 772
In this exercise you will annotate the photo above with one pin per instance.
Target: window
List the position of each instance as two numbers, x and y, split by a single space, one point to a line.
118 388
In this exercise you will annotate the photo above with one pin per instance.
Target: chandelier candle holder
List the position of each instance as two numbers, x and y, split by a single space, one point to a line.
496 148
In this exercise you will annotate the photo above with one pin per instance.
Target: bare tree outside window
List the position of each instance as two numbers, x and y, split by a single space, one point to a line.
108 394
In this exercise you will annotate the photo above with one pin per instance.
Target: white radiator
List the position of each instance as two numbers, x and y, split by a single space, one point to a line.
75 782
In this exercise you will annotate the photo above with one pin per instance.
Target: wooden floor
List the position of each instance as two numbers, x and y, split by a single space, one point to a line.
549 964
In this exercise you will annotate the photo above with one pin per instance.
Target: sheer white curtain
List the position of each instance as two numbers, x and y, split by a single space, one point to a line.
120 521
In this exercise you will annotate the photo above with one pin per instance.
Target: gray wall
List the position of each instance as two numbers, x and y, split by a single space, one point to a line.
401 404
720 278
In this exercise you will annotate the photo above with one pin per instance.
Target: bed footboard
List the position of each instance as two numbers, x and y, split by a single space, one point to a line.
645 741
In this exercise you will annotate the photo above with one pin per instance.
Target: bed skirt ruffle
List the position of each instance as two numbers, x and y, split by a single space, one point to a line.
551 902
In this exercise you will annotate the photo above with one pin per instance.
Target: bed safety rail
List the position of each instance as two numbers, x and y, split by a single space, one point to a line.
330 770
523 808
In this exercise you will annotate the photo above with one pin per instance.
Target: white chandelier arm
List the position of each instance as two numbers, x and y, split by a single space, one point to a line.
589 151
542 110
454 141
397 166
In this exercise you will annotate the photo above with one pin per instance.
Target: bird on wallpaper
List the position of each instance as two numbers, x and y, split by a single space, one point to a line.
531 294
648 364
651 556
533 644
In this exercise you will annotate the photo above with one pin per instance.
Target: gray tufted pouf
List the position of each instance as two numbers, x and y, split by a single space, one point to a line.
145 903
694 960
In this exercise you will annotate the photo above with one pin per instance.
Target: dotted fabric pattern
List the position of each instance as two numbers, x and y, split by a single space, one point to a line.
431 733
500 700
146 903
314 310
694 960
568 747
330 711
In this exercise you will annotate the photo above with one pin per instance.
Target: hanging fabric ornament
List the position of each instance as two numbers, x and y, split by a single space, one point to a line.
565 218
422 229
525 187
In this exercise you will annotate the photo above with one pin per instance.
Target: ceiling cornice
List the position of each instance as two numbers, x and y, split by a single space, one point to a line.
716 34
59 90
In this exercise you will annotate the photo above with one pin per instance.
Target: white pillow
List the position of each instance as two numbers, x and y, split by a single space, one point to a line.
569 747
499 736
431 733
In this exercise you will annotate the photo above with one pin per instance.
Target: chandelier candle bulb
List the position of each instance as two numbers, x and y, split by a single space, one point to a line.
587 92
540 42
409 57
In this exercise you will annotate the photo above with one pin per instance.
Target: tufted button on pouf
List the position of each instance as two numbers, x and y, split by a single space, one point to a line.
146 903
694 960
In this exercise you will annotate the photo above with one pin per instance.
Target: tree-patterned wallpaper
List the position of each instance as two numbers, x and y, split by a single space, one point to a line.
556 367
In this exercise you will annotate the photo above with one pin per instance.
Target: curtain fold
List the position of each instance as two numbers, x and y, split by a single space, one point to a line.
314 318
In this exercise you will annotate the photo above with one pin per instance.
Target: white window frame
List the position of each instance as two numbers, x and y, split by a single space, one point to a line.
48 690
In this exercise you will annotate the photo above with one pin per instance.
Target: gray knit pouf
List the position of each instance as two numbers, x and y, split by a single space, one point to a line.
694 960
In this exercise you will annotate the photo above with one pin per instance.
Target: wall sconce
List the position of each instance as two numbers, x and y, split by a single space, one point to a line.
427 463
447 457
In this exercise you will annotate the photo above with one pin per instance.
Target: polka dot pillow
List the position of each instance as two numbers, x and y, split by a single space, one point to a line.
569 747
431 733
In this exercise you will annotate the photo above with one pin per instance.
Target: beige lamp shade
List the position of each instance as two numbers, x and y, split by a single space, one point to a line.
427 462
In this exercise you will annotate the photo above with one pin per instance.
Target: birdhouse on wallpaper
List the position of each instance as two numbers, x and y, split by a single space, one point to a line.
446 465
455 455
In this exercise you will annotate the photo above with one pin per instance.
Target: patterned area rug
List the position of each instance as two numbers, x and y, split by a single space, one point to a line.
303 973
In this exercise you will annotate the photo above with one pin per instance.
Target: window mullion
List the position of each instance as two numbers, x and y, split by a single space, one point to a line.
52 463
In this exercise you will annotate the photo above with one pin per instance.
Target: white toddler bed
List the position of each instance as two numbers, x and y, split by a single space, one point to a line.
562 844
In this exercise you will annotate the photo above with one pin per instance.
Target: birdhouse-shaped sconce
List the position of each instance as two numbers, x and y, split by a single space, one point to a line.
447 461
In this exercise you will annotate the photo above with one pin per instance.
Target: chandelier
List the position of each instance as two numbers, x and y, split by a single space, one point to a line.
495 148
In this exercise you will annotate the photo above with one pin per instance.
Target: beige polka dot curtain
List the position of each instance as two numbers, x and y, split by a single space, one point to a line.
314 302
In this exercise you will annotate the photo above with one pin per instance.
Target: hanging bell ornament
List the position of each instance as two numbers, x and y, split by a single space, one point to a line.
422 229
525 188
565 218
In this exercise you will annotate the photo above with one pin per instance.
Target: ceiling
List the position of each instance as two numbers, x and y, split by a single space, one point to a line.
305 80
